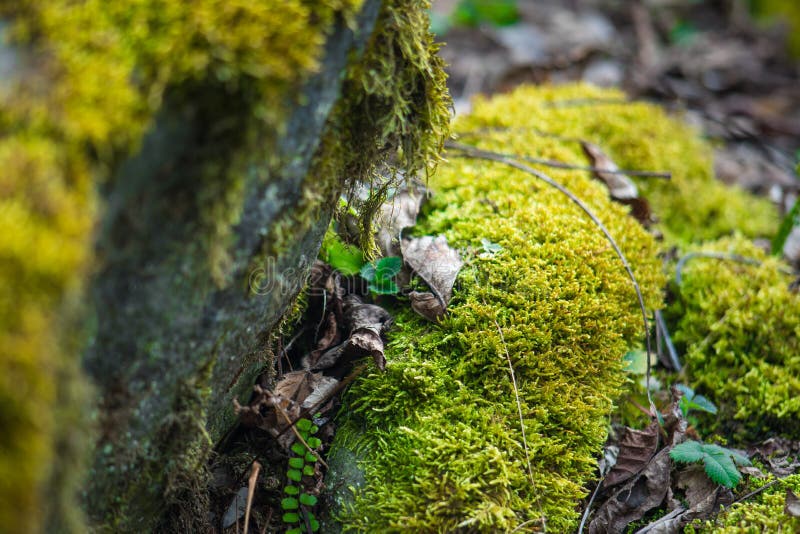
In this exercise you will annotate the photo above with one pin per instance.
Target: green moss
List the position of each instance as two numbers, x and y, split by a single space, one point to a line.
762 513
787 13
438 433
739 328
692 206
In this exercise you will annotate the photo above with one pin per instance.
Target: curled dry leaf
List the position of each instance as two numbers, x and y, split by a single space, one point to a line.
432 259
635 498
396 214
792 506
636 448
620 186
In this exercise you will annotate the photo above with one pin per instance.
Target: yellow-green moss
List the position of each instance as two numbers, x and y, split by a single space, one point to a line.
438 433
739 328
787 13
692 206
762 513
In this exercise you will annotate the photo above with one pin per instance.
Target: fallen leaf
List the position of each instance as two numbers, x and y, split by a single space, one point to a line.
236 509
396 214
635 498
792 506
636 448
427 305
620 187
432 259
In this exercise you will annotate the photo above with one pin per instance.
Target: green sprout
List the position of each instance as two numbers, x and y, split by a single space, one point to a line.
303 463
719 462
380 275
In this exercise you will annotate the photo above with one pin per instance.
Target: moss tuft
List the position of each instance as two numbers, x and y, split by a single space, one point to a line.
692 206
438 434
739 326
762 513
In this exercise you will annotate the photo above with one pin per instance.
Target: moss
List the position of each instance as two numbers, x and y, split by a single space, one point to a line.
438 433
787 13
739 327
762 513
692 206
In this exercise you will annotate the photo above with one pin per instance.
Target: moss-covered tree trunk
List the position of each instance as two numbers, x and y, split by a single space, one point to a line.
215 138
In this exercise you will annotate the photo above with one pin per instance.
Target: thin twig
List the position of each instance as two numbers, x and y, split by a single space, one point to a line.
471 152
661 326
758 490
562 165
519 409
588 509
280 410
251 489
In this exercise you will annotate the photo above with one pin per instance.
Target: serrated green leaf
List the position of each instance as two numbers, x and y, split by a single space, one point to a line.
388 267
296 463
687 452
291 490
289 503
314 443
739 459
720 468
701 403
294 474
304 425
368 272
308 500
291 517
299 449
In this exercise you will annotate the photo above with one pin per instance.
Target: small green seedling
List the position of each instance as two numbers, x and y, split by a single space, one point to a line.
380 275
347 259
303 463
691 401
720 463
489 248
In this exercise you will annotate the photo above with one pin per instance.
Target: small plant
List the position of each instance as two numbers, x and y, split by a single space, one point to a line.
380 275
691 401
303 462
719 462
347 259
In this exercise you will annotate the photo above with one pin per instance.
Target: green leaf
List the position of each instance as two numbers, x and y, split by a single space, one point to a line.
308 470
295 530
291 517
314 524
636 362
303 425
739 459
720 468
314 443
388 267
289 503
299 449
291 490
296 463
383 287
687 452
688 393
310 458
790 221
490 248
308 500
703 404
294 474
313 429
347 259
368 272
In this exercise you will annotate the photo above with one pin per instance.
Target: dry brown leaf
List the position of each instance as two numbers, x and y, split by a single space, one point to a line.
438 265
427 305
635 498
792 506
636 448
398 213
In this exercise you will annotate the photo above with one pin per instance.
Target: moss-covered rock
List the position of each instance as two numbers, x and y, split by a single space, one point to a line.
761 513
438 434
738 326
219 136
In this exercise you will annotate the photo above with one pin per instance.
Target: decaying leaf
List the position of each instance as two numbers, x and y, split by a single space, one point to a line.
432 259
636 448
398 213
635 498
792 506
780 455
620 187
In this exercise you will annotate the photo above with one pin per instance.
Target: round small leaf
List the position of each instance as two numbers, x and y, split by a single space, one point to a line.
291 517
295 530
296 463
308 500
294 474
303 425
314 524
289 503
310 458
308 470
314 443
299 449
291 490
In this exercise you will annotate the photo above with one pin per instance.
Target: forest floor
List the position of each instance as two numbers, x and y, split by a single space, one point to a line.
730 76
